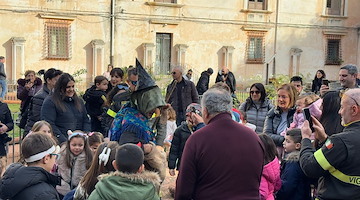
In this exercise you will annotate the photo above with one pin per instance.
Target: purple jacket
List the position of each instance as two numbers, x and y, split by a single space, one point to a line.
222 160
270 180
25 95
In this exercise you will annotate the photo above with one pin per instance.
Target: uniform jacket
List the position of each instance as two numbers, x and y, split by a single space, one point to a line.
189 95
61 122
5 118
35 107
118 185
211 167
340 153
30 183
68 175
295 184
256 113
203 83
270 180
181 134
272 121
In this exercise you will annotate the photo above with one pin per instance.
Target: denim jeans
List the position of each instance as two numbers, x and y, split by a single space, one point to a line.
3 88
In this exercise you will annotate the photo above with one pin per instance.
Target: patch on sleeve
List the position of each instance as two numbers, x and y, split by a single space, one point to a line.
329 144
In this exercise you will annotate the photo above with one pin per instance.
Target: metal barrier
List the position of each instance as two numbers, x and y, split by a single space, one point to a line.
14 146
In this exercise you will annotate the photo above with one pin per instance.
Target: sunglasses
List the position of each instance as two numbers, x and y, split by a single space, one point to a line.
122 87
173 73
134 82
256 92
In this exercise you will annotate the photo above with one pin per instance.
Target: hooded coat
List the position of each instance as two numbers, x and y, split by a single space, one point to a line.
270 180
30 183
118 185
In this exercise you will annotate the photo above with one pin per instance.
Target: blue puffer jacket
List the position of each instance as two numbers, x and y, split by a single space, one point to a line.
295 184
61 122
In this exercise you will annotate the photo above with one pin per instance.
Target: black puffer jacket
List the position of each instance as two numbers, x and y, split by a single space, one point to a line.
181 134
5 118
35 108
61 122
94 101
203 83
30 183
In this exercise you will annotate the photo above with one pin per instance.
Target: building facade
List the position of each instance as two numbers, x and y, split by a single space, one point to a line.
251 37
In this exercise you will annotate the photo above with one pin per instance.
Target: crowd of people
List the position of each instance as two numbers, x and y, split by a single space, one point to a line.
119 139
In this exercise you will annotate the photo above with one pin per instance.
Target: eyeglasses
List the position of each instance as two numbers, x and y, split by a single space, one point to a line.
256 92
122 87
173 73
134 82
57 156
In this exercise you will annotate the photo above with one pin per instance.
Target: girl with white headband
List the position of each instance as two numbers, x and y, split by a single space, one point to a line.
75 159
33 181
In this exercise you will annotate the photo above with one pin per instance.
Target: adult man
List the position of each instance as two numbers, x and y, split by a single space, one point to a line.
336 164
203 83
2 78
297 82
227 77
180 93
218 162
188 75
347 77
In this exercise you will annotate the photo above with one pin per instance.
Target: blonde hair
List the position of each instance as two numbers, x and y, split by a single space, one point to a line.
309 98
171 114
37 126
293 93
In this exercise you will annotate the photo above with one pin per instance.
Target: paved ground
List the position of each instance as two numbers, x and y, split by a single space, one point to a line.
164 190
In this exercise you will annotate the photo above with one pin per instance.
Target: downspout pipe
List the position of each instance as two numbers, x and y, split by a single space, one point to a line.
275 39
112 31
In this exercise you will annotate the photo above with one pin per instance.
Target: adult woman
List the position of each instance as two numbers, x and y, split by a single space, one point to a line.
280 117
317 82
107 73
6 125
256 106
26 89
50 78
64 110
117 75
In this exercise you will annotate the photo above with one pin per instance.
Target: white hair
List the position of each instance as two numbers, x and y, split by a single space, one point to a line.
179 68
216 101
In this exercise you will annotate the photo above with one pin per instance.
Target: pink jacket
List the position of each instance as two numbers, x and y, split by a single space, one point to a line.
270 180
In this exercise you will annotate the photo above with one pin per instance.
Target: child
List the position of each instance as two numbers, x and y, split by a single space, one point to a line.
295 185
75 159
101 164
95 98
95 139
181 134
170 128
270 179
130 181
243 120
303 102
43 127
33 181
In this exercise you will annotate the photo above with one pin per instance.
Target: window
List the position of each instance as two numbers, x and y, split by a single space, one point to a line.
333 50
255 48
335 7
257 4
166 1
58 39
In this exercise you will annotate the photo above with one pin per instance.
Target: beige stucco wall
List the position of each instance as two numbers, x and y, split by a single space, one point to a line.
205 26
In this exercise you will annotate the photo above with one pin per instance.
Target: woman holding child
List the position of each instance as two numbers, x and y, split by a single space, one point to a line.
280 117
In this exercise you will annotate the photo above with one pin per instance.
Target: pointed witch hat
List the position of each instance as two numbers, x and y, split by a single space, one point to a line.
145 80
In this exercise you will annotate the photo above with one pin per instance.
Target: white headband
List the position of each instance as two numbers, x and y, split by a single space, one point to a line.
40 155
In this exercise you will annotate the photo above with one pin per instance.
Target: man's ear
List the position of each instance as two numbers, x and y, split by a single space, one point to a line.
115 165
